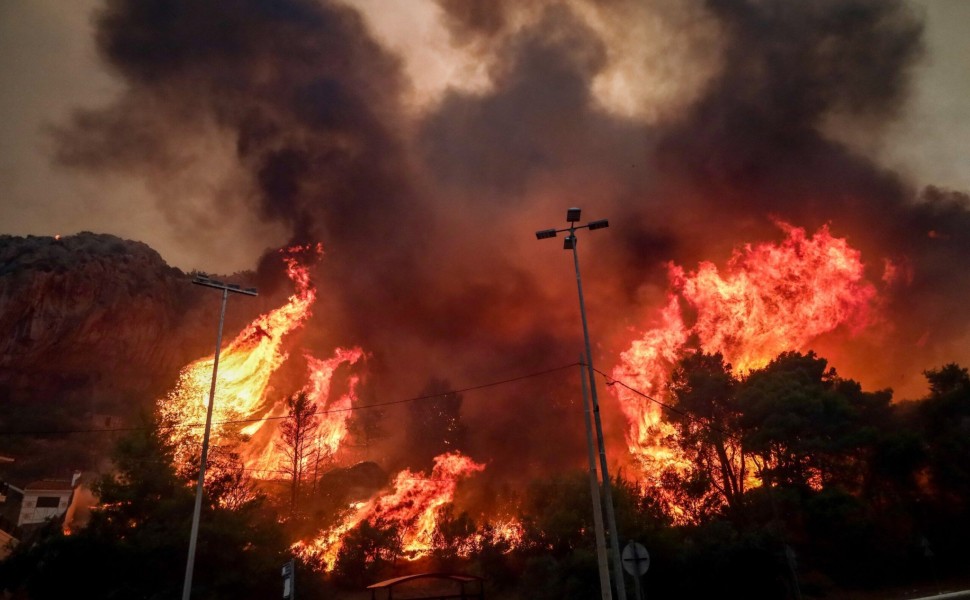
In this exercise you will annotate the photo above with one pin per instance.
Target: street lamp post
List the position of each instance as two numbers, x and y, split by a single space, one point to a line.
193 536
570 243
594 491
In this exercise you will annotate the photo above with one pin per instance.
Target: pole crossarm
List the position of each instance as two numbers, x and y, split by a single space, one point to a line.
219 285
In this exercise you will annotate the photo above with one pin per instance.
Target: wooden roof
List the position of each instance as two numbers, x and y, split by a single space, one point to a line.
459 577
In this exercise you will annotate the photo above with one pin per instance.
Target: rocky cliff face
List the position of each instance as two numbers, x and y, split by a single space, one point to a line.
94 325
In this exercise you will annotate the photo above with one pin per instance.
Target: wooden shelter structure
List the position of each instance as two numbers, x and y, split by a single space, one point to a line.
450 586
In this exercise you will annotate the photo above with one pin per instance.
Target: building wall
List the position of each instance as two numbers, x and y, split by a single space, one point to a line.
30 513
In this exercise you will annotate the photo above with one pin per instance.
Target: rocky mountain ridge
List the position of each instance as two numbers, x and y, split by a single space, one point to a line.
92 325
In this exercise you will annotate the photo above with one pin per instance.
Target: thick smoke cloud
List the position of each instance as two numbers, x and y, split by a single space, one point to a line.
309 103
427 221
758 132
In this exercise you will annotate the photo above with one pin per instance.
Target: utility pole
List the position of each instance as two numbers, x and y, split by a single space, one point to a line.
197 511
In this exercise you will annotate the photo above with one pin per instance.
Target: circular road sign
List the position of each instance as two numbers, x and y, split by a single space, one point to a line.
635 559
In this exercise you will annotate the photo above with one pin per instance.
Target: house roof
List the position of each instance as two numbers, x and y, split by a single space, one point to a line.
48 485
459 577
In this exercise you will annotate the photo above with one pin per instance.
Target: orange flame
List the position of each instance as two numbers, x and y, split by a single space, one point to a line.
261 454
245 367
509 531
771 298
333 426
778 297
412 505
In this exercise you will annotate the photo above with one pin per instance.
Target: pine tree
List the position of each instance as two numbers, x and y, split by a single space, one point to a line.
297 435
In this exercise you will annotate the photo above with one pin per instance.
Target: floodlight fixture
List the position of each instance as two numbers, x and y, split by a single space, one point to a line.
600 224
545 234
572 214
569 243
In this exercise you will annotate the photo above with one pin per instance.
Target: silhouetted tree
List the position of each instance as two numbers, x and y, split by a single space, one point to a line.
367 551
806 426
296 443
704 389
946 417
945 507
454 535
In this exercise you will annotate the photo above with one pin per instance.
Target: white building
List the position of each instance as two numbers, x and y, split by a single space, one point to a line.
45 499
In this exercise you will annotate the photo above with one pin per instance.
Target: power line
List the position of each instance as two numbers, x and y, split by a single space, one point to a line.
610 380
471 388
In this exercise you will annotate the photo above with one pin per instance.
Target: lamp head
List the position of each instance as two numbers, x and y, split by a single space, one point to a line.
572 214
598 224
545 234
569 243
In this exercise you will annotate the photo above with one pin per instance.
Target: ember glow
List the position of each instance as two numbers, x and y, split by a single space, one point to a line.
245 367
769 299
412 504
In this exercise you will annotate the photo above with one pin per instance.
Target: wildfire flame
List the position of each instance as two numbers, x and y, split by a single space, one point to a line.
770 298
411 504
261 453
333 426
245 367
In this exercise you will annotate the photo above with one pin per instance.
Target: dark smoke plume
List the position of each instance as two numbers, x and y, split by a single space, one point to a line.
428 223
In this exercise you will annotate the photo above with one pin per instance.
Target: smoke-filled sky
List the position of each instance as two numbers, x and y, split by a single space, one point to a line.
658 60
423 142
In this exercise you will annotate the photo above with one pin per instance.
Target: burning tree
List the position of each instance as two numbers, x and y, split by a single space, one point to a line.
794 423
769 299
807 427
245 367
704 389
297 442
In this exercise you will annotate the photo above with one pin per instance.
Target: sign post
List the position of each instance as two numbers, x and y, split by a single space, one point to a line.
289 580
636 561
